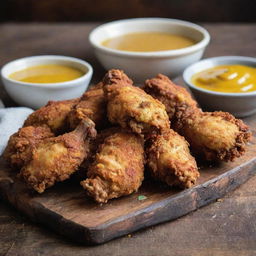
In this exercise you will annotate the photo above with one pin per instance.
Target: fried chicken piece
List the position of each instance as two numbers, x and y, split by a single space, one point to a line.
53 114
169 160
177 100
118 168
131 107
215 136
20 144
92 104
55 159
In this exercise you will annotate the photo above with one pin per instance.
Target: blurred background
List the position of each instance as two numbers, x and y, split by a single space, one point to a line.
106 10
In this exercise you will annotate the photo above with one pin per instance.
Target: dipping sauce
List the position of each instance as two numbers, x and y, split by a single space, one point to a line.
47 74
148 42
227 78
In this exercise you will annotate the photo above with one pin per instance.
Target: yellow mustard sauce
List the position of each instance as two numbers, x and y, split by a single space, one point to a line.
47 74
148 42
227 78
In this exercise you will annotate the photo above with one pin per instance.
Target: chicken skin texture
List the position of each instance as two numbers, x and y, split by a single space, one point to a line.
93 105
55 159
177 100
20 145
169 160
131 107
53 114
214 136
118 167
115 78
81 174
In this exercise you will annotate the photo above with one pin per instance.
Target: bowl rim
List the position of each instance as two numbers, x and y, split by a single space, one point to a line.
201 44
65 84
236 59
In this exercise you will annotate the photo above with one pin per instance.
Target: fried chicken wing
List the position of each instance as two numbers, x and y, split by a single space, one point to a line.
54 115
131 107
92 104
215 136
20 144
169 160
55 159
118 168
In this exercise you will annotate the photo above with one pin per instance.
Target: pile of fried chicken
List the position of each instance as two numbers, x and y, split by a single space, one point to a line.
115 129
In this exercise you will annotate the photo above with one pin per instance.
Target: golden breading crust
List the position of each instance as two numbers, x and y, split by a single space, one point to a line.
92 105
131 107
176 99
55 159
81 174
169 160
53 114
118 168
20 144
216 135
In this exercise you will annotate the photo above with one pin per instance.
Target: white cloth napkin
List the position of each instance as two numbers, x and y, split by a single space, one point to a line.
11 119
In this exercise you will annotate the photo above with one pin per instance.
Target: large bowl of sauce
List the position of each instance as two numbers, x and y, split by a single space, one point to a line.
144 47
226 83
33 81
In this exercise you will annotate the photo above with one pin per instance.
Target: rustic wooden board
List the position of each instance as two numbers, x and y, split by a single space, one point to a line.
67 210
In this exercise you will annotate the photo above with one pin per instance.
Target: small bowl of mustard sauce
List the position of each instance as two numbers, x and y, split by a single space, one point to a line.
144 47
33 81
226 83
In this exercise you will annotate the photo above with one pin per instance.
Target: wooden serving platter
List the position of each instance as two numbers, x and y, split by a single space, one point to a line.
66 209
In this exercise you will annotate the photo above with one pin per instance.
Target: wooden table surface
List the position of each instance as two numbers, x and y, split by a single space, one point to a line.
227 227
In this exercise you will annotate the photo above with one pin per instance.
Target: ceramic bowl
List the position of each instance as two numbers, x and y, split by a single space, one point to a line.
36 95
142 65
239 104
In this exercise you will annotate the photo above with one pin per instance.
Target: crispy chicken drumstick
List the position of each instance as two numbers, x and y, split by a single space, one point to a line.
118 168
169 160
131 107
55 159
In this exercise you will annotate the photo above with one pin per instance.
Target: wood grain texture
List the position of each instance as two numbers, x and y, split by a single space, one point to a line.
68 211
223 228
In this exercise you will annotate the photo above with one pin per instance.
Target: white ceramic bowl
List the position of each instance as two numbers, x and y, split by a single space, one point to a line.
239 104
36 95
143 65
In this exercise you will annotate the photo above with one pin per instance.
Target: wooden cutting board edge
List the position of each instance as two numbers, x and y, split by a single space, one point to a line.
168 209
